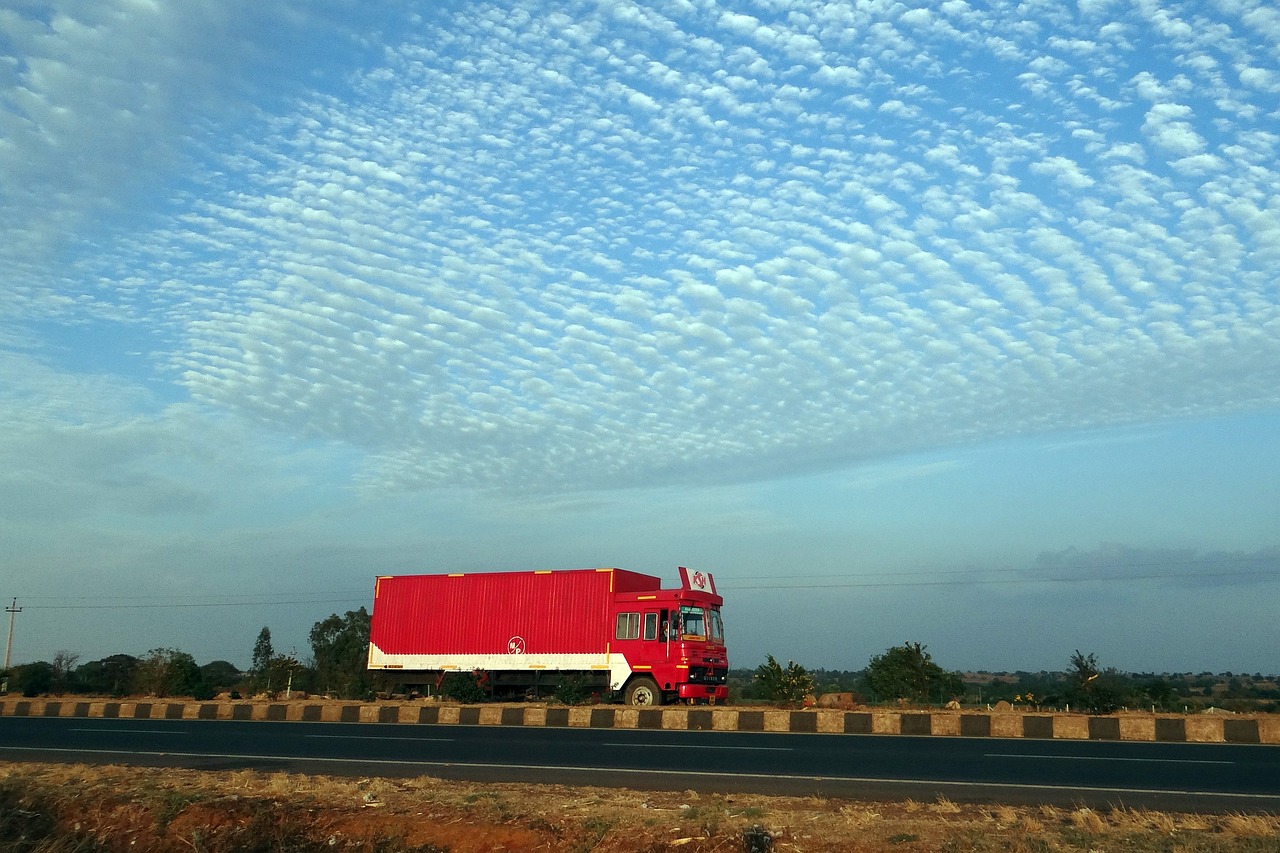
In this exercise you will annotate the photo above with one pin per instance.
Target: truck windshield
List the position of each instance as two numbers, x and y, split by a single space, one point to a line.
692 621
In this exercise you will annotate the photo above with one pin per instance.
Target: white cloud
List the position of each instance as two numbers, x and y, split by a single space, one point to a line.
597 249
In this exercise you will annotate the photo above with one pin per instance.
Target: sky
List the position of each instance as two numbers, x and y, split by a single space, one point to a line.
949 323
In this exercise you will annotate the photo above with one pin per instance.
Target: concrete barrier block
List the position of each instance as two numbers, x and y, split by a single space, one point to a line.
1104 728
830 720
777 721
886 723
724 720
580 718
1068 726
1205 729
535 716
1037 726
1138 728
945 724
1006 725
803 721
857 723
1240 731
915 723
1269 728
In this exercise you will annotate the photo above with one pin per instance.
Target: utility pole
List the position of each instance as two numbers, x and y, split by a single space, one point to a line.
12 610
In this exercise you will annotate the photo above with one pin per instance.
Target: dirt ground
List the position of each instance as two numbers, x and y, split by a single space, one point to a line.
62 808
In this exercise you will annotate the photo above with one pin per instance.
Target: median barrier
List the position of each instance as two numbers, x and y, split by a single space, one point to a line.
1190 728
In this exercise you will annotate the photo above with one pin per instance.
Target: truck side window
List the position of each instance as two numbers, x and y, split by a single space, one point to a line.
628 626
651 626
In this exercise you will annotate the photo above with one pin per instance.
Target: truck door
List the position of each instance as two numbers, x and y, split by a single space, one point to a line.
654 632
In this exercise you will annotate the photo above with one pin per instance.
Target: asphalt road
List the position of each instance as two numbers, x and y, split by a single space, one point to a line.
1169 776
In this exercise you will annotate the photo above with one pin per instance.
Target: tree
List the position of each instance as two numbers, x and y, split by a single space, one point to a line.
788 686
340 650
263 652
1088 688
462 687
63 663
169 672
908 672
1161 694
282 673
110 676
33 679
221 675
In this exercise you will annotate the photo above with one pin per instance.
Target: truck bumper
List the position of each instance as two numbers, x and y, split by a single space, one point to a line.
716 693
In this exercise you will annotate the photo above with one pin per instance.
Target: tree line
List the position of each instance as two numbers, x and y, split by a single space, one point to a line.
903 674
336 667
907 674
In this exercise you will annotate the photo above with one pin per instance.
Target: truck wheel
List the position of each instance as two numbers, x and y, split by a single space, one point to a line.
644 691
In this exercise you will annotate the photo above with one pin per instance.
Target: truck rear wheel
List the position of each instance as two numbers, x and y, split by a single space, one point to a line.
643 691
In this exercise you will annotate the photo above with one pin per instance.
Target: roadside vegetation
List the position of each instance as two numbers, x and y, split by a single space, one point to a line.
78 809
908 675
903 675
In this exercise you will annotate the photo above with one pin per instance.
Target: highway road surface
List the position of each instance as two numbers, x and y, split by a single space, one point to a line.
1168 776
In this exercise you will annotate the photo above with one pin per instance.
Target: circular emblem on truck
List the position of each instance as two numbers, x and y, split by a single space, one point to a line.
515 646
699 580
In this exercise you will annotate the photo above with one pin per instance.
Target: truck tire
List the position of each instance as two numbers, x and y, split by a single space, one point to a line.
643 691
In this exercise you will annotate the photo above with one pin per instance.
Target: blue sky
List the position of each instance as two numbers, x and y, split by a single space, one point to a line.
955 323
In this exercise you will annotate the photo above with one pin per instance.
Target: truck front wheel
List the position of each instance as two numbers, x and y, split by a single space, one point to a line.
643 691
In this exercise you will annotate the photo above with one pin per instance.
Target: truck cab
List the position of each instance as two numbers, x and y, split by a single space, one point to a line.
673 643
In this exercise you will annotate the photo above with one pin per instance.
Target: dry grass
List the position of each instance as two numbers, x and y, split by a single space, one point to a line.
60 809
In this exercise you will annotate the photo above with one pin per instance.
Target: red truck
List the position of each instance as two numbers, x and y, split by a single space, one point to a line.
525 633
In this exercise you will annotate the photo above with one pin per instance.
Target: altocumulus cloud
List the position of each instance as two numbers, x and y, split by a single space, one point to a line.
660 242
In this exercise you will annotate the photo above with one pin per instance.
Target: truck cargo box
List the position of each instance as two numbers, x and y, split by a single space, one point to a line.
527 630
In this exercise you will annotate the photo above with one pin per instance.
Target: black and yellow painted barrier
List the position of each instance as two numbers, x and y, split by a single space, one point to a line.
1199 728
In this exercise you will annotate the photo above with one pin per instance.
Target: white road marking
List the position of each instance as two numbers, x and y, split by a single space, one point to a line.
376 737
137 731
688 746
1103 758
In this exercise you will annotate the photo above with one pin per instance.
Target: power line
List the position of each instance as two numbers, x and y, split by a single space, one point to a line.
974 581
255 596
187 604
1271 558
